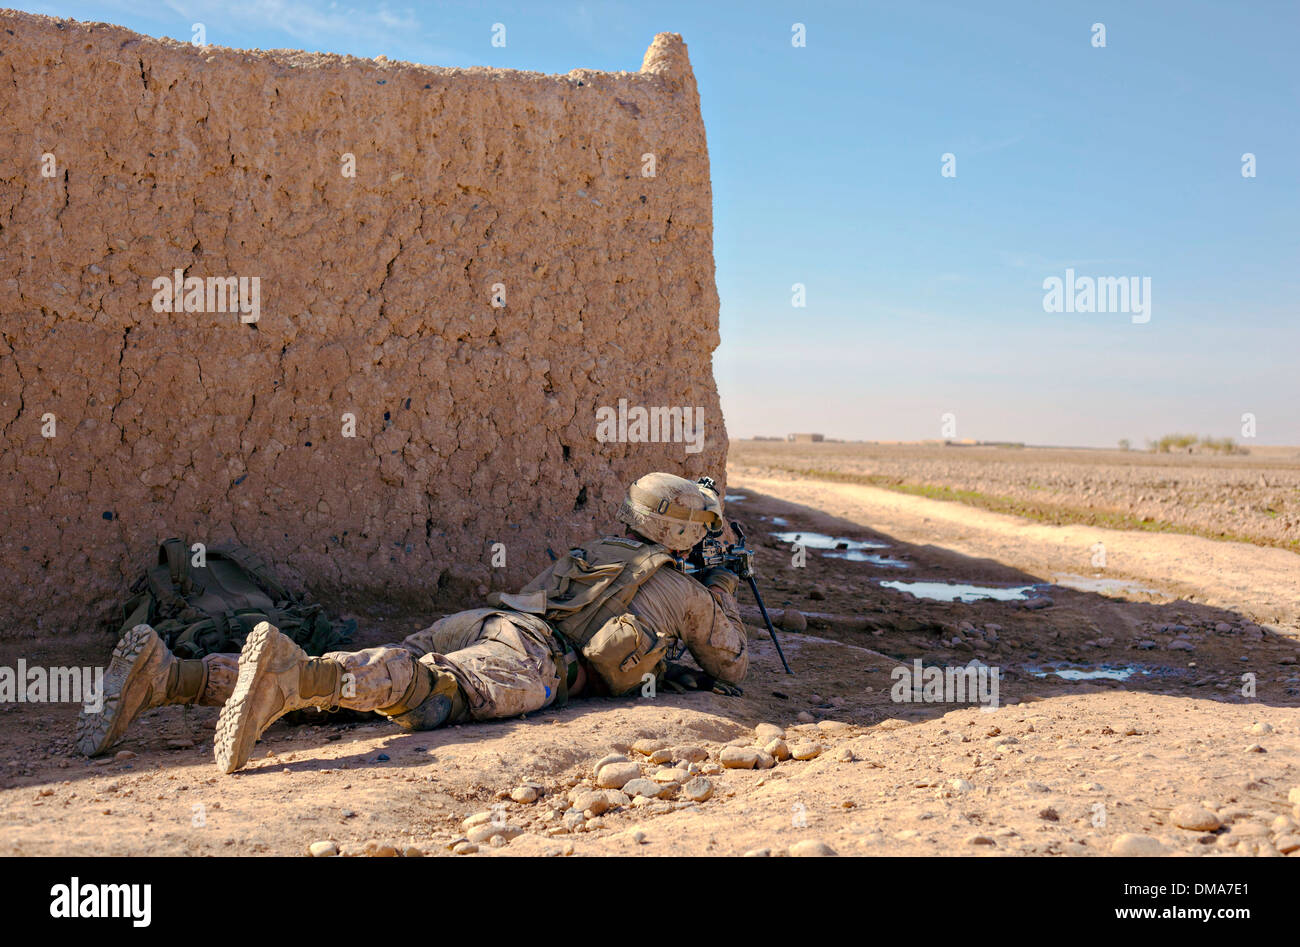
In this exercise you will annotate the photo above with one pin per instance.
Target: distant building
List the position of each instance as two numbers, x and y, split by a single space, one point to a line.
806 438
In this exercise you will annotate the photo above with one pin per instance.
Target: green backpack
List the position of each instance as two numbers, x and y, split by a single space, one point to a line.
210 609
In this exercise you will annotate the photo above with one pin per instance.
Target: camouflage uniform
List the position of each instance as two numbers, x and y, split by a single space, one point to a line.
509 663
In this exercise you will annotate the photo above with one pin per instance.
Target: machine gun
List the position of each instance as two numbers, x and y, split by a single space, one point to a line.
736 557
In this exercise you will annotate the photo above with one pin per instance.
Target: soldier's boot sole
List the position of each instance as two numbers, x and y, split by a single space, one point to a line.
266 690
130 688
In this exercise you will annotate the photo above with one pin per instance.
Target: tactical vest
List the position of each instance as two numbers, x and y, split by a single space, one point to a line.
584 596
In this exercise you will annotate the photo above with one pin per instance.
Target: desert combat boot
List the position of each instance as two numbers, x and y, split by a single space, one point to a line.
275 677
142 674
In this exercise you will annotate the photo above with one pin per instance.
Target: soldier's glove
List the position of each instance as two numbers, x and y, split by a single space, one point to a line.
720 577
680 678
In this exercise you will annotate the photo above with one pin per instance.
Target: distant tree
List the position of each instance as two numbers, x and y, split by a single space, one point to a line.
1125 444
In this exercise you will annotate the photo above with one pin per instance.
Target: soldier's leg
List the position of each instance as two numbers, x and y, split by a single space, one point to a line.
503 668
276 677
144 674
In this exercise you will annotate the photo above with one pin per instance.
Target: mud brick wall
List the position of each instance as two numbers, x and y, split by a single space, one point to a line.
124 159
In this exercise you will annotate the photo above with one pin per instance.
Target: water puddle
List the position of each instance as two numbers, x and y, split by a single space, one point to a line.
823 541
957 592
857 555
1083 583
735 497
776 520
1107 672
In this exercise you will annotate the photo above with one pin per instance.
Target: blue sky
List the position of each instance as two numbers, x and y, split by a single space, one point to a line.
925 293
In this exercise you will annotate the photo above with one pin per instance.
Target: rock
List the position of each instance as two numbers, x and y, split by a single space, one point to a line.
1194 817
484 833
638 838
1256 748
979 840
643 787
378 850
1286 844
778 750
698 789
590 801
1140 846
806 751
497 841
844 755
738 757
1041 601
758 853
615 798
670 775
1261 728
804 717
661 756
464 848
606 760
832 726
412 852
1180 644
323 849
478 818
960 785
523 794
646 747
690 753
792 620
811 847
123 755
1293 796
614 775
767 732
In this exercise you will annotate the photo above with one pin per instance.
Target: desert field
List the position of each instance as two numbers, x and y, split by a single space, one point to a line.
1252 497
1144 709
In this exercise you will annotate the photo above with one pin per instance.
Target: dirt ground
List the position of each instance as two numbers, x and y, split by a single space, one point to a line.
1253 497
1061 767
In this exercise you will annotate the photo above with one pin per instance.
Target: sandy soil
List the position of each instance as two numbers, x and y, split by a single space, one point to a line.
1072 768
1253 497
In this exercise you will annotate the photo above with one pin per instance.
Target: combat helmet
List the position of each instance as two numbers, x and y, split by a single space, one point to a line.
671 510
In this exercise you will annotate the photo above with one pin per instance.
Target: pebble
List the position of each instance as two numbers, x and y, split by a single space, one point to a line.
615 775
961 785
832 726
1286 844
661 756
647 747
844 755
497 841
793 620
588 800
524 794
124 755
698 789
612 758
804 717
1194 817
806 751
1141 846
738 757
811 847
638 837
979 840
690 753
642 787
765 760
669 775
767 732
323 849
1293 796
778 749
1260 729
484 833
464 848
